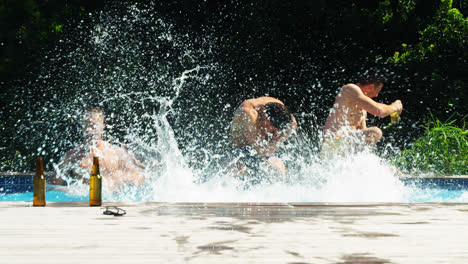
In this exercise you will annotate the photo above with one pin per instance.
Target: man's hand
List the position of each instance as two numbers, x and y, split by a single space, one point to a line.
398 106
267 145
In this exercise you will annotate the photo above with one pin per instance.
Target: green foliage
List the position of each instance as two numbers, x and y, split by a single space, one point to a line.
437 60
448 29
406 8
443 149
28 26
16 163
386 13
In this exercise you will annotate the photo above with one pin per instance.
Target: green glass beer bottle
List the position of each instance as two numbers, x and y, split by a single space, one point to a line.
39 184
394 118
95 185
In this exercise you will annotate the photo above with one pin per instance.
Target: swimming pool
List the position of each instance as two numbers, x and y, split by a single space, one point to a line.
428 189
449 189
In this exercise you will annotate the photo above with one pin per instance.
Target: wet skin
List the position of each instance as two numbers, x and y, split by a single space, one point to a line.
250 127
350 110
117 166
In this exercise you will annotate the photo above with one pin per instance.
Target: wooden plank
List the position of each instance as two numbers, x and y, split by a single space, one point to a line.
234 233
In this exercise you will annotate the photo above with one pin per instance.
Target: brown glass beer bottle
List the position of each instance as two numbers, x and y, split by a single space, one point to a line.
95 185
39 184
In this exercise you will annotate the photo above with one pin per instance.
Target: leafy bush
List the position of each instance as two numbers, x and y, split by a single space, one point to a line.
443 149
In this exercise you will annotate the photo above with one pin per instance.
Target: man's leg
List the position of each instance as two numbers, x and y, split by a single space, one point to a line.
232 162
372 135
277 165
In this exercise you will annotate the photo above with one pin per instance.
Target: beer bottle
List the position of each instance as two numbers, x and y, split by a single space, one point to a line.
95 185
39 184
394 118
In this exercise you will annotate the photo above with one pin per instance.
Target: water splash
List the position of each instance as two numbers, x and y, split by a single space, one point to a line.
156 88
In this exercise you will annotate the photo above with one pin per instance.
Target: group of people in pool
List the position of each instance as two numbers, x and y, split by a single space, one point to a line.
259 127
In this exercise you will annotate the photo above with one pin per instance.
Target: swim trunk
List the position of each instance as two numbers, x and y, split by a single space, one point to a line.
247 156
342 146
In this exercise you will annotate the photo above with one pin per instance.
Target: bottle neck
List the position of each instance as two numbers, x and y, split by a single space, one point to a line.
95 170
39 168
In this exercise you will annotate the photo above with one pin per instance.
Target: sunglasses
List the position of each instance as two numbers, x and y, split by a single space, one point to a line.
114 210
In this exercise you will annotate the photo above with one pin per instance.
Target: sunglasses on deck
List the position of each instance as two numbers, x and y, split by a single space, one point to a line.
114 210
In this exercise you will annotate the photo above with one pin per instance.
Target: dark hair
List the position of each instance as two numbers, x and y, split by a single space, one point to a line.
90 111
94 109
371 77
277 114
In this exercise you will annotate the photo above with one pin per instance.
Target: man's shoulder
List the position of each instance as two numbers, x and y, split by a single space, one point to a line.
350 87
254 102
350 90
248 107
109 148
268 99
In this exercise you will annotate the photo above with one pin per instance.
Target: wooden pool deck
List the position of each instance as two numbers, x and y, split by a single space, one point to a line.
234 233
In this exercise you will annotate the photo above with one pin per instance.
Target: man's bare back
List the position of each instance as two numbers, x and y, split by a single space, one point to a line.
252 128
350 110
345 116
249 128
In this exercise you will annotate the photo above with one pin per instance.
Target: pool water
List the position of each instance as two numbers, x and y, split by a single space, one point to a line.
440 196
52 196
437 190
362 178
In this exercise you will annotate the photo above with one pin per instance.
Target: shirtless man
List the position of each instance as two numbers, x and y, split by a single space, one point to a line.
117 166
347 118
259 126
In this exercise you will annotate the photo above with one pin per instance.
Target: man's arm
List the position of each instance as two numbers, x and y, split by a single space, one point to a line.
131 169
252 135
249 116
131 157
369 105
362 123
290 128
278 139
